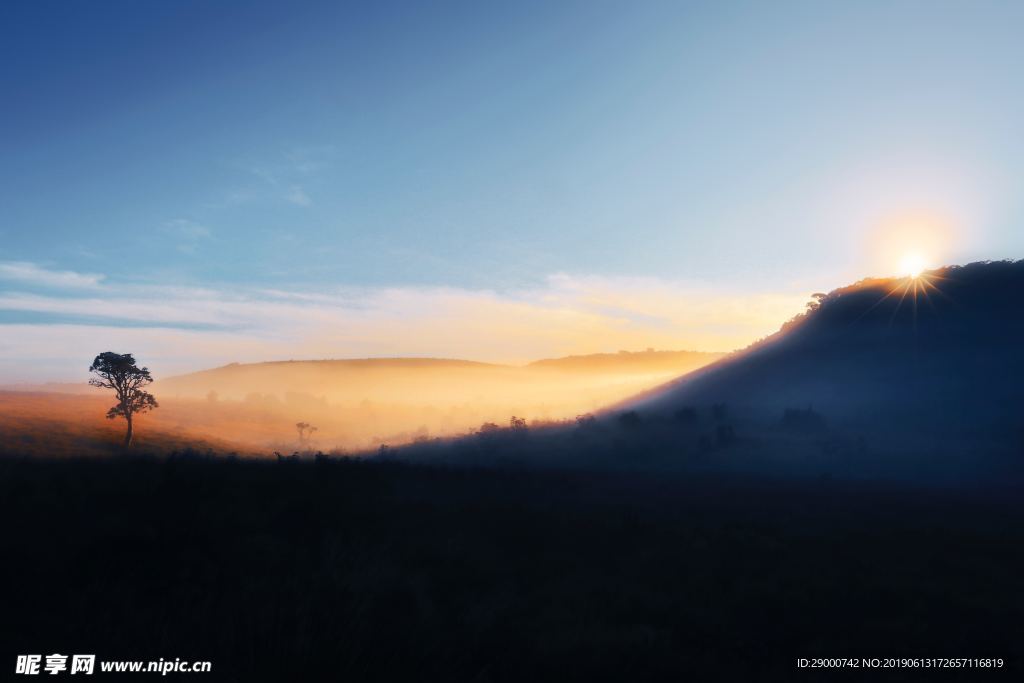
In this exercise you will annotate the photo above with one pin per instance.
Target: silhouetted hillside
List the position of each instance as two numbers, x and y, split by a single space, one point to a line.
941 352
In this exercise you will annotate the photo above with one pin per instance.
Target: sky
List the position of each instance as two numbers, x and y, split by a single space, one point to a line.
200 183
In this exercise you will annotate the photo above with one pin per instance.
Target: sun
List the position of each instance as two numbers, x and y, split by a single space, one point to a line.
911 242
912 265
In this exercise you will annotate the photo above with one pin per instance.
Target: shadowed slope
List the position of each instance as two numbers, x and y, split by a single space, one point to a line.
941 351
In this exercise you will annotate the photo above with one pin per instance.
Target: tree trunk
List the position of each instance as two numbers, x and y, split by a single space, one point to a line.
128 434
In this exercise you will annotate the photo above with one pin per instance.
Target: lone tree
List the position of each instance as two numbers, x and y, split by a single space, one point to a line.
118 372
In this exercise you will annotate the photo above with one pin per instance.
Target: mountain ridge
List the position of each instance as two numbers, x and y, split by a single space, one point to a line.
910 347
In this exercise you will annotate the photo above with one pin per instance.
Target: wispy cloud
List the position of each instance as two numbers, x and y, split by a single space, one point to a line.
188 229
285 179
296 195
29 273
180 329
188 233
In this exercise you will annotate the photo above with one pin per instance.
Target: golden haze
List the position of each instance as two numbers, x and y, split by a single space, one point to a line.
355 404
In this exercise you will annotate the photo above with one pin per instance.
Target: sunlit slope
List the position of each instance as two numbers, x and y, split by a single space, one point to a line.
60 425
943 352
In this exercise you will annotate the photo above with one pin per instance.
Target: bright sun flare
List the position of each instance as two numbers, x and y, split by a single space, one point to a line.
912 265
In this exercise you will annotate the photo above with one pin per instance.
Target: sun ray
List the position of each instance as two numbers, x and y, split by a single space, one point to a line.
899 304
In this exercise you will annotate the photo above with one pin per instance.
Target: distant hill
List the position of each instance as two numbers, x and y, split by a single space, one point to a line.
315 377
942 353
423 378
50 388
627 361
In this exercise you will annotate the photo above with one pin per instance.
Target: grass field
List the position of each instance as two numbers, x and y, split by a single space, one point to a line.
355 570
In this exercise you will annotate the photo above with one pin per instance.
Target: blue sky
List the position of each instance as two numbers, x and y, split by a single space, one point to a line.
697 153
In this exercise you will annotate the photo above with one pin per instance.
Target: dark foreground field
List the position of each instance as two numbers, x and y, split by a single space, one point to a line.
361 571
